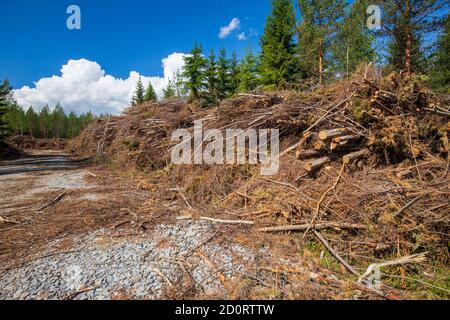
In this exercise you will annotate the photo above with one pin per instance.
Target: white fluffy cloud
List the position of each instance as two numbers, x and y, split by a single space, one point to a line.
225 31
84 86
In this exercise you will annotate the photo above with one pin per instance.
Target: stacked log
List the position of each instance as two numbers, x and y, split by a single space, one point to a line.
351 157
319 148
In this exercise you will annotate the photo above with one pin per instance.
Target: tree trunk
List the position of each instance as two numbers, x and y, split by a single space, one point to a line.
320 63
408 68
348 58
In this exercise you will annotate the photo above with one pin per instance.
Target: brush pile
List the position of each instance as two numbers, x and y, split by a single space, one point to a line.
28 142
365 160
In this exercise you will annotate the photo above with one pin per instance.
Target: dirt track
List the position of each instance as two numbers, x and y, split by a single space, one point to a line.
87 245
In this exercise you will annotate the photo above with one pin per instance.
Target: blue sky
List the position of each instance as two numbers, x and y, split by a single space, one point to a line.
119 35
97 68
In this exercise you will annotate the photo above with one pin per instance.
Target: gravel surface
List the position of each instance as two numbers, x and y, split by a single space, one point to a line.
99 266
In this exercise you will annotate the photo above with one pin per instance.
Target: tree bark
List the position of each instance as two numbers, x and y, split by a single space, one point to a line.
316 164
355 155
408 68
321 63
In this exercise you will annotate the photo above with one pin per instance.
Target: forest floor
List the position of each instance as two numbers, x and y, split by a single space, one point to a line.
69 230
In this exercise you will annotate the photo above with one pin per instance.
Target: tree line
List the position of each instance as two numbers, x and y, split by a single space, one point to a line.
47 123
328 41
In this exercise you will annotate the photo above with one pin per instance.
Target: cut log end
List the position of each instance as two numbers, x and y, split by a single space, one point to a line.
349 158
306 154
316 164
333 133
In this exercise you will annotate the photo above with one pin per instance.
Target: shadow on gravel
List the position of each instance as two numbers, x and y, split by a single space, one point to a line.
41 163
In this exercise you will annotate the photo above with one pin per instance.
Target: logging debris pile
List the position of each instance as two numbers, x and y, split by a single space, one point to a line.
366 162
28 142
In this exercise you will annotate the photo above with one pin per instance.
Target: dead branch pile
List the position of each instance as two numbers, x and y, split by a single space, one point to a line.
28 142
369 164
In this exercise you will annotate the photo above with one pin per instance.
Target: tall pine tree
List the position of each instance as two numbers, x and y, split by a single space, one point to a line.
194 72
5 100
406 23
223 75
248 72
354 40
317 32
234 75
277 56
211 78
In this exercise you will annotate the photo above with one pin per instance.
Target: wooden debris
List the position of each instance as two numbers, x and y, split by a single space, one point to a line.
318 226
320 145
58 198
404 174
416 258
332 133
349 158
346 138
306 154
316 164
334 253
218 220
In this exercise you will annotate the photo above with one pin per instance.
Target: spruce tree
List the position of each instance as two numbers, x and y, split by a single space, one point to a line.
58 122
72 131
407 23
32 122
354 40
5 100
440 75
194 72
179 84
223 75
234 75
150 94
277 57
317 32
44 122
248 73
169 91
211 78
139 94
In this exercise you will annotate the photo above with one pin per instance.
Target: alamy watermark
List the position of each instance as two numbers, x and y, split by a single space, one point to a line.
73 22
237 146
374 20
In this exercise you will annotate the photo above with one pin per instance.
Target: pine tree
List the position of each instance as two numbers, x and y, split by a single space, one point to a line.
138 97
72 131
354 40
317 32
406 23
234 75
169 91
32 122
15 119
58 122
44 122
211 78
440 75
277 57
248 73
150 94
179 84
194 72
5 100
223 75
